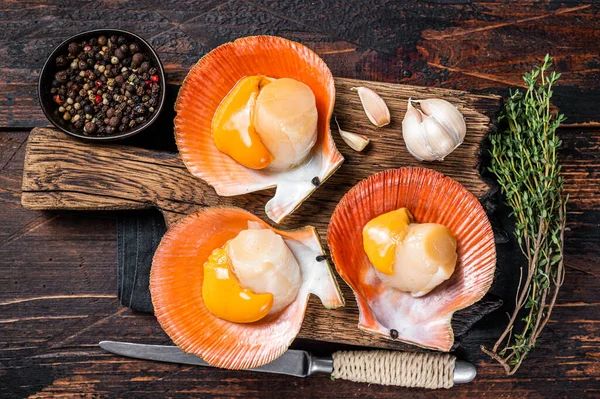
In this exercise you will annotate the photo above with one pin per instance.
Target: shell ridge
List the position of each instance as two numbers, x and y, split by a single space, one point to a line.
211 79
431 197
176 274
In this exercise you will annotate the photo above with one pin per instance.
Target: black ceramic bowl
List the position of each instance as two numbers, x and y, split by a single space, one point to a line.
47 73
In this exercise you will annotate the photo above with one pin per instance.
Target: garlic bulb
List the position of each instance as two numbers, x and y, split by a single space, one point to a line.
374 106
434 131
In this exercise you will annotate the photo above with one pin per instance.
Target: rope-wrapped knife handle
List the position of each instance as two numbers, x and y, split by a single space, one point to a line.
407 369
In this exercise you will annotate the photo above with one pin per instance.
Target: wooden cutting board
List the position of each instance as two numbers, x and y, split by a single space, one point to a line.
61 172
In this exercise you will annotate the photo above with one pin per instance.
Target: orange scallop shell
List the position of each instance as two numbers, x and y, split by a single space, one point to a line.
431 197
211 79
176 288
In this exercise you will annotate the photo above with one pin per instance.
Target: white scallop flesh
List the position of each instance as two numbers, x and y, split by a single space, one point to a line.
263 263
426 258
285 118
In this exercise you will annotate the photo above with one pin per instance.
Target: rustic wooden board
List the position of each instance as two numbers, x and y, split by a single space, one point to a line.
64 173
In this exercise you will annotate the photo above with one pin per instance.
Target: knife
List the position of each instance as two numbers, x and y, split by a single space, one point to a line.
424 370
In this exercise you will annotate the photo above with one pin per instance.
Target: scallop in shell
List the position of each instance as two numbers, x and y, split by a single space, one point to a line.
431 198
176 282
210 81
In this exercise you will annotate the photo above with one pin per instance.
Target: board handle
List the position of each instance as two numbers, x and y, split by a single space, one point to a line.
407 369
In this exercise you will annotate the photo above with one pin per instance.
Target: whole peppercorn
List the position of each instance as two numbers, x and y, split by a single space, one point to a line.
93 41
134 47
145 67
121 40
62 61
113 39
119 54
154 78
109 129
137 59
140 109
114 121
114 60
87 48
88 109
98 100
124 48
129 88
90 127
102 40
82 65
61 76
67 116
58 99
119 80
73 48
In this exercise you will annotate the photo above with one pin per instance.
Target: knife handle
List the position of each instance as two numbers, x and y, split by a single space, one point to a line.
407 369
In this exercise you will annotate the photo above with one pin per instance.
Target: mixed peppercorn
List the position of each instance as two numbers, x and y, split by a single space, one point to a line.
105 85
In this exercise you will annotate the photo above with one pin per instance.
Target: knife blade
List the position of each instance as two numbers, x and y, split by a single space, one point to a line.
293 362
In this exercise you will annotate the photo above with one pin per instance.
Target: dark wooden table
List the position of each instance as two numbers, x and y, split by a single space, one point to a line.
57 269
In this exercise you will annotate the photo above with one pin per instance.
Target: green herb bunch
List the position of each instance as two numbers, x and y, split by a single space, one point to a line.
525 162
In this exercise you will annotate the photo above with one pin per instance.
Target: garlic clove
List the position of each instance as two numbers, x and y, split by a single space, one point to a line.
447 115
357 142
440 141
374 106
414 135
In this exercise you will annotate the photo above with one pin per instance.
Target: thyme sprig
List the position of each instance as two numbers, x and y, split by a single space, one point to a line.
525 162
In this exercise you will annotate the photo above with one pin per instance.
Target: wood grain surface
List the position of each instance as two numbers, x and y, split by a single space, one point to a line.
57 269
